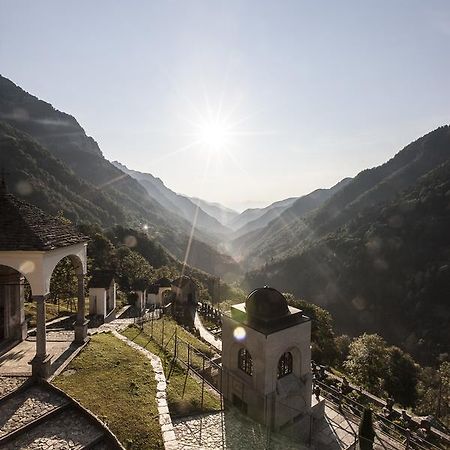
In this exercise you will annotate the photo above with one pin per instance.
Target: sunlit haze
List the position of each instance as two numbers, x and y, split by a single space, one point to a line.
238 102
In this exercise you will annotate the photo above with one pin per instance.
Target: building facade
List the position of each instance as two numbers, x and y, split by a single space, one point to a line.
266 360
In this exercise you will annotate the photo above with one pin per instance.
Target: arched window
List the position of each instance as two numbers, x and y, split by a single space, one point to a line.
245 362
284 365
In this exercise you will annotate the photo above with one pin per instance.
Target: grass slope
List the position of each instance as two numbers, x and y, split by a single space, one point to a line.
117 384
183 392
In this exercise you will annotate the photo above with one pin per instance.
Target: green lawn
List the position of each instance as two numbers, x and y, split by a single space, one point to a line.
117 384
167 340
183 392
52 311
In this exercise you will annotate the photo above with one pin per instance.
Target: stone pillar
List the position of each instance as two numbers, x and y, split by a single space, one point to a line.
41 362
81 322
22 334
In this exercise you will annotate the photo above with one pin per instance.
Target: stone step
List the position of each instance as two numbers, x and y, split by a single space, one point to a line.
23 407
67 429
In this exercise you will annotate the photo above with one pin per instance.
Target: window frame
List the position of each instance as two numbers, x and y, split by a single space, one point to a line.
245 361
285 365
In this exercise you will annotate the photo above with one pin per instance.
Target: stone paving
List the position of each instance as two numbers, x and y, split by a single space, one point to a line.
17 360
232 430
170 442
228 430
205 334
68 430
114 325
9 384
47 420
27 406
56 336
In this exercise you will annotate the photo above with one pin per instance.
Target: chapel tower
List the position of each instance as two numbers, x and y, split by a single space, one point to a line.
266 360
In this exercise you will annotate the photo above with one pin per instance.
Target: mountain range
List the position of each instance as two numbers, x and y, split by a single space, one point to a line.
56 165
376 254
374 249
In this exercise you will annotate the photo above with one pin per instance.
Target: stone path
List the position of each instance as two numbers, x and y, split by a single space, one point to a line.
38 416
205 334
170 441
228 430
114 325
17 360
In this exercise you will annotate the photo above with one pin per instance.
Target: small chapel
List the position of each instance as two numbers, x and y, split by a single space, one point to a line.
266 360
31 245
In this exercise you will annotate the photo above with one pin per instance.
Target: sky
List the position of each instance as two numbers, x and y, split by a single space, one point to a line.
304 93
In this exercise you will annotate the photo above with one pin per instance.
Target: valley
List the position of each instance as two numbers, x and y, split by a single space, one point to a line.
368 249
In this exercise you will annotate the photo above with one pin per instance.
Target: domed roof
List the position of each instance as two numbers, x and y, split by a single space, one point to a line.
266 304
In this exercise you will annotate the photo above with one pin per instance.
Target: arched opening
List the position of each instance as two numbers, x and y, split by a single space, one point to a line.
63 299
285 365
245 362
12 316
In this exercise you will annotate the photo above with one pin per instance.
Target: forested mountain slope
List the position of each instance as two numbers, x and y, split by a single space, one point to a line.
176 203
117 197
387 270
223 214
252 214
368 189
252 245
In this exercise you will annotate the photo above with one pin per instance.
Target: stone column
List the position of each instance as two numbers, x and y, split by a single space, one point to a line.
41 362
81 322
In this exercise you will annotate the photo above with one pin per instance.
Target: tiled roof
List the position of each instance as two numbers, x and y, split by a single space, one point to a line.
101 279
163 282
26 227
182 282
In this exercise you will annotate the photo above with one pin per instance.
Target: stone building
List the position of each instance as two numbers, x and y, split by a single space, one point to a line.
266 360
156 292
102 295
184 300
31 245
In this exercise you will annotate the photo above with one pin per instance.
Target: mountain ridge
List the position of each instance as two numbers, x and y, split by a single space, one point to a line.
176 203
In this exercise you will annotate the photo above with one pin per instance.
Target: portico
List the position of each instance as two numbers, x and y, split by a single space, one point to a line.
31 245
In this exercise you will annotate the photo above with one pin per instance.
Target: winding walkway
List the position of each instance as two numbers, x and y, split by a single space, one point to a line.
207 335
170 440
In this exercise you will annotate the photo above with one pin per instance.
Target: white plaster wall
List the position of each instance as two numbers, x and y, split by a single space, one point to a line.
261 391
153 299
38 267
112 291
97 301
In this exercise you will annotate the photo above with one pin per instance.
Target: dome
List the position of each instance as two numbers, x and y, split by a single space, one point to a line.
266 304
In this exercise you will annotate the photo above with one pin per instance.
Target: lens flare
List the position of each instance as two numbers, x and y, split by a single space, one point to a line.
27 267
239 333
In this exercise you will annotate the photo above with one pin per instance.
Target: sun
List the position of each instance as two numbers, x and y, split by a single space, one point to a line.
214 134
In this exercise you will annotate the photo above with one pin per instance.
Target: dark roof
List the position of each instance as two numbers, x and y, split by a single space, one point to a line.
266 304
266 310
26 227
152 289
183 281
101 279
163 282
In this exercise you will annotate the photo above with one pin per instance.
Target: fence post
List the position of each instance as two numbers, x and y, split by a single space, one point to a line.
176 344
189 356
162 334
203 377
151 327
